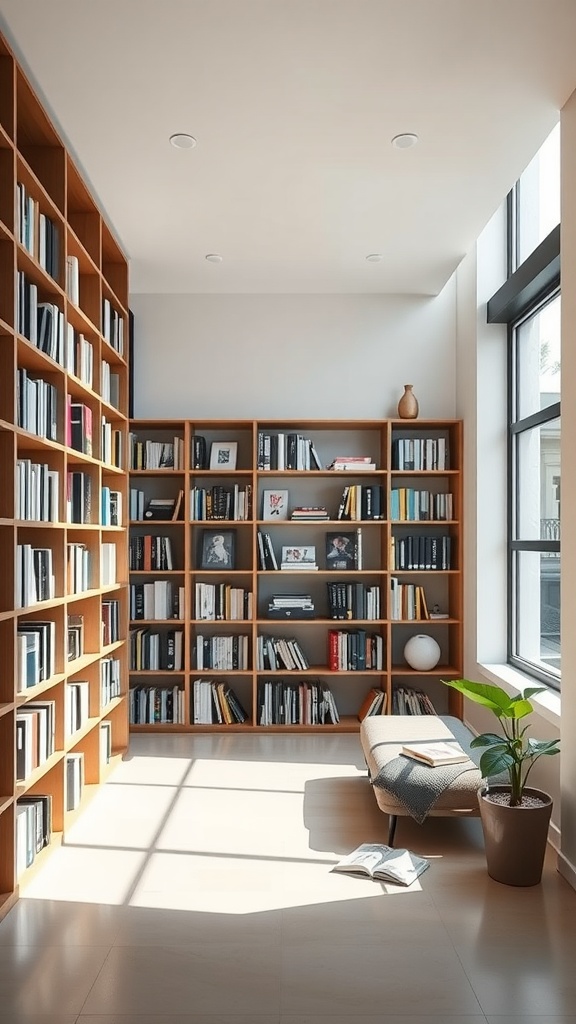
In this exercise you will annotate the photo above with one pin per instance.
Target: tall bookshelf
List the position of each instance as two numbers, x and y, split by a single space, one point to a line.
63 297
384 542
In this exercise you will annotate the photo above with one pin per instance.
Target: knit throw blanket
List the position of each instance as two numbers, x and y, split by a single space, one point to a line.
418 786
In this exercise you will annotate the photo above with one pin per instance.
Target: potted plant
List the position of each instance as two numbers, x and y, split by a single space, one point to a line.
514 817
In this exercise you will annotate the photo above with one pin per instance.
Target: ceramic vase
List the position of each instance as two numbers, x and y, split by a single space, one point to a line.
422 652
408 404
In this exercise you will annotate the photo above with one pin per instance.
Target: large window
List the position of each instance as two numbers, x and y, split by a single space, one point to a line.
529 303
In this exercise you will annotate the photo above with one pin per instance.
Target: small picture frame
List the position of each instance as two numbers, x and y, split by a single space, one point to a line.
299 554
341 551
275 505
217 550
223 455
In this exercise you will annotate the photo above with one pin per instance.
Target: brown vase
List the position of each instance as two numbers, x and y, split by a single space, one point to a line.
408 404
515 837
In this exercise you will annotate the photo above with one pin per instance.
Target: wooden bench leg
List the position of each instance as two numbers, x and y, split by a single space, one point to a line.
392 822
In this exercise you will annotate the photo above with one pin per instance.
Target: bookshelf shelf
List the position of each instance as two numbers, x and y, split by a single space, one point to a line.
384 543
49 220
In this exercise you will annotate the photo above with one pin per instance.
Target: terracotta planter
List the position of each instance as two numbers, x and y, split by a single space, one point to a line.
515 837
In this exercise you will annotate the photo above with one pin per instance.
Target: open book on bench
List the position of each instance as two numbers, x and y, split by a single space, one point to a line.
383 863
435 754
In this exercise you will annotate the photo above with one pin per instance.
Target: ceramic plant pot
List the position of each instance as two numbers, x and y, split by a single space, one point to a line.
515 837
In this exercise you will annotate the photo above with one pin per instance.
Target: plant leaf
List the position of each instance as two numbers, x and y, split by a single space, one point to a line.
538 747
487 739
519 708
492 697
494 761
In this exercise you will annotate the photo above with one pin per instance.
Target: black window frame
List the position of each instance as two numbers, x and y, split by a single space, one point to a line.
528 289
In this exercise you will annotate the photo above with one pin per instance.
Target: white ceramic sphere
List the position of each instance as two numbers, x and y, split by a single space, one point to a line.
422 652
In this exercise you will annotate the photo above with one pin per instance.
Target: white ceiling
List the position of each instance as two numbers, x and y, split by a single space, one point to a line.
294 103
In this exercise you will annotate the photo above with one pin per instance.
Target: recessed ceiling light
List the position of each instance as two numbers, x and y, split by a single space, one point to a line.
405 141
183 141
375 257
214 257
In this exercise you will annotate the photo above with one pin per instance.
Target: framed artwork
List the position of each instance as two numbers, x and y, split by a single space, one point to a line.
340 551
275 505
217 549
299 555
223 455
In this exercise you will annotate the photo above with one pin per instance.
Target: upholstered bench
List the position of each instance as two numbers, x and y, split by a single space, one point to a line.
382 738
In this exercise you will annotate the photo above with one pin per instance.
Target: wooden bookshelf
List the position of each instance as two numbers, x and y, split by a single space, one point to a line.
50 227
382 441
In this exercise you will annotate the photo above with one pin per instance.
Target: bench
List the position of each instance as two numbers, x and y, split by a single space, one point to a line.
382 737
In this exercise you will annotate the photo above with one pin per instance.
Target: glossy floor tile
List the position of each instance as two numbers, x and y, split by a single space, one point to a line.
197 889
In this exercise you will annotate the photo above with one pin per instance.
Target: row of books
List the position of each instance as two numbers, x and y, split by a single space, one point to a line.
110 613
160 599
219 502
36 652
110 684
156 705
409 504
109 384
407 601
274 654
374 703
110 507
360 502
111 442
76 705
37 492
153 652
353 464
78 426
214 601
353 601
33 829
155 454
408 701
35 736
281 451
355 651
39 234
150 553
37 404
75 636
215 703
420 453
112 327
298 703
35 579
222 653
420 553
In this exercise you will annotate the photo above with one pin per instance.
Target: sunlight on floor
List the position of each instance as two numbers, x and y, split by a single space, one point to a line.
216 835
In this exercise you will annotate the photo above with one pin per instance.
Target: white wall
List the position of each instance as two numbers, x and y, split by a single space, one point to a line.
324 356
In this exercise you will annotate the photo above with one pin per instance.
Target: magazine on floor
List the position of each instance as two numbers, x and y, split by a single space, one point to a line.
383 863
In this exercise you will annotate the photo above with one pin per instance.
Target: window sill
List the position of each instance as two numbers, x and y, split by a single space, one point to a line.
547 704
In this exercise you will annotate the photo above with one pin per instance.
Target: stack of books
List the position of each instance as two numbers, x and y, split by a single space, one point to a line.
353 463
310 513
291 606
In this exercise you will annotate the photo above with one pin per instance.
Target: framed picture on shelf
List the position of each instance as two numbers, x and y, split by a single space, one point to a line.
223 455
341 551
275 505
217 549
299 555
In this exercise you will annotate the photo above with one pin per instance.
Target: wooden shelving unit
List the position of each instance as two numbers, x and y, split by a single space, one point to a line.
39 184
442 586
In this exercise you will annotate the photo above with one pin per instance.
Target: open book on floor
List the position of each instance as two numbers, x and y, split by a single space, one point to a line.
383 863
436 754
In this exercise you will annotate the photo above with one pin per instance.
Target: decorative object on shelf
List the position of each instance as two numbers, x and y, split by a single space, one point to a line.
514 817
422 652
217 549
223 455
408 404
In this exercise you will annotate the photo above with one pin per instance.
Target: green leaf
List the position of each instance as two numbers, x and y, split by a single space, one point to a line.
494 761
493 697
538 747
487 739
519 708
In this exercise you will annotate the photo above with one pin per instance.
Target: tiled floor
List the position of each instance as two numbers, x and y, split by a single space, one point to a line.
197 888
